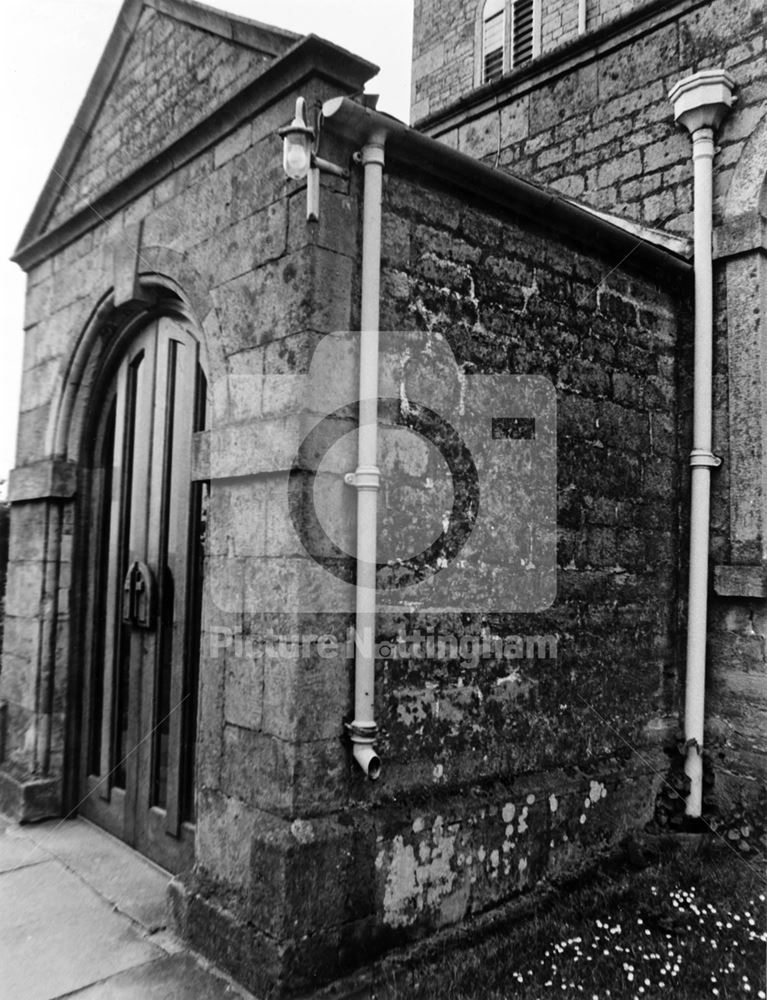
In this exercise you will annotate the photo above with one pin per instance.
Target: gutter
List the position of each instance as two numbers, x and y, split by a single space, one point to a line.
655 252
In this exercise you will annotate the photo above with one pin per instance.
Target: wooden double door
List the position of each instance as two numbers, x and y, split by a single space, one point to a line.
143 599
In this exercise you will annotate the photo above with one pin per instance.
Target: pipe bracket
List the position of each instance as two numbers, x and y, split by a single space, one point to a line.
699 458
365 477
362 732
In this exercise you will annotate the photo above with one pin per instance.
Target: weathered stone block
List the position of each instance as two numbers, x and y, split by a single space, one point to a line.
239 249
338 226
27 532
24 589
578 91
306 290
22 639
38 303
244 687
301 871
31 437
225 589
237 518
648 59
257 768
224 830
236 142
211 711
49 478
195 213
29 799
39 384
255 959
322 771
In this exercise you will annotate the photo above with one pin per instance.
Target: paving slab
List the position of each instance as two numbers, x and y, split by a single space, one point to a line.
177 977
17 850
58 935
129 881
83 915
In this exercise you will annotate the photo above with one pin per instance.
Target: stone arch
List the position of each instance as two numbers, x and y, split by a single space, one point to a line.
165 282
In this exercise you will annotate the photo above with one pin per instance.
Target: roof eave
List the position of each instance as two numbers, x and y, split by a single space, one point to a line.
234 27
587 226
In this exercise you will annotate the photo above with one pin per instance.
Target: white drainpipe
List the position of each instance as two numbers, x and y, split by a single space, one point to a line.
362 729
581 17
700 104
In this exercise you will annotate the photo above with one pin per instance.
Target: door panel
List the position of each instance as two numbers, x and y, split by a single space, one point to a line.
140 687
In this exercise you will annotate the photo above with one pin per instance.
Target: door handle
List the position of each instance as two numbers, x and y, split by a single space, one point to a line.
139 596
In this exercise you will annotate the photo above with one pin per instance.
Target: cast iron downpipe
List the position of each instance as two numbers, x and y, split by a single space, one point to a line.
362 729
700 104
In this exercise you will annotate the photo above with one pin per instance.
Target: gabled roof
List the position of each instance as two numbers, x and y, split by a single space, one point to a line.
82 177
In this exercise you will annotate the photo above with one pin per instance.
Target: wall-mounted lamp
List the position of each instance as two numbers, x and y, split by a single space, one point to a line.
299 158
297 139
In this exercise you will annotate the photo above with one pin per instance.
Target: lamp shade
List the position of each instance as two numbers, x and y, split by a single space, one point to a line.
297 141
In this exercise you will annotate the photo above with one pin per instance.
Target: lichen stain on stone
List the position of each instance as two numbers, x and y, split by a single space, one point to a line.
414 705
422 881
522 824
449 704
597 791
303 831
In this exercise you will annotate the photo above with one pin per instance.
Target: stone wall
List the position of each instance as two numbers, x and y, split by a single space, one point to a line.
496 770
504 769
596 124
446 39
594 121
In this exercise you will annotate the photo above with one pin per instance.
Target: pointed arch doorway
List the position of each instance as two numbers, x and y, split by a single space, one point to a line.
142 599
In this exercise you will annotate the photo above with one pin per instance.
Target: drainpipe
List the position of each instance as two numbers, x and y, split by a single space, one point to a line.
700 104
581 17
362 729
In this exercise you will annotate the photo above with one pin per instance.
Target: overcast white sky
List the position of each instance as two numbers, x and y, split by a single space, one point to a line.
48 52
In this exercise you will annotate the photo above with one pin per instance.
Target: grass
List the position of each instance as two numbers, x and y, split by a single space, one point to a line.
675 924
